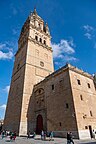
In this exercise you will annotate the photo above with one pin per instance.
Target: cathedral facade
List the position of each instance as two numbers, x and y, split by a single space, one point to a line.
41 99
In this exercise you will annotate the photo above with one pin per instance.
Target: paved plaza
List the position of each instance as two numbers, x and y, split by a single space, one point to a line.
24 140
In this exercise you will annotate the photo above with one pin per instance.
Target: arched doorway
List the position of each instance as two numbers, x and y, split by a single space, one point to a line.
39 124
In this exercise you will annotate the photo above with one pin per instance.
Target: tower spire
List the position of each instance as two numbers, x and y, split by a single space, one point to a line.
35 12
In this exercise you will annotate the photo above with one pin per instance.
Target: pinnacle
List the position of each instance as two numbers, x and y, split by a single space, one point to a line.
35 12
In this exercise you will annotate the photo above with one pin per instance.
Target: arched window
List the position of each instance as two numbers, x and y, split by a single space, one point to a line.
91 113
36 37
39 25
18 66
44 42
40 40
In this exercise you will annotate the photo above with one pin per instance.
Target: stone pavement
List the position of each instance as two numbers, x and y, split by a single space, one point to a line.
24 140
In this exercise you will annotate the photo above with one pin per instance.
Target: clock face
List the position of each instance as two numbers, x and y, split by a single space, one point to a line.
41 63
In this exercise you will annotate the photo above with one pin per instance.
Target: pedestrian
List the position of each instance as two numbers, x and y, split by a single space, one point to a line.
28 135
68 138
14 136
51 135
45 135
3 134
11 136
42 135
34 134
71 138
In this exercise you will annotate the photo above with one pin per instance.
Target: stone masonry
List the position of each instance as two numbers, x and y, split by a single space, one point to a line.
41 99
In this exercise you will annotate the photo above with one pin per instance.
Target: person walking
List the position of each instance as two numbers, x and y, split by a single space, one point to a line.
51 135
71 138
42 135
68 138
34 134
28 135
14 136
3 133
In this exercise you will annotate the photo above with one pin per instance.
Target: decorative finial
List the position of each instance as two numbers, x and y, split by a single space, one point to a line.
46 24
35 12
31 12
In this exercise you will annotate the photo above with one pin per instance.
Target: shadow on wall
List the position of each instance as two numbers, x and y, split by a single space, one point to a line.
31 118
36 114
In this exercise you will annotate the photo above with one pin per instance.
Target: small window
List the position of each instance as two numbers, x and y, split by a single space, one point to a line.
86 127
39 91
91 113
52 87
44 42
18 66
67 106
88 85
42 63
81 97
79 83
36 37
60 123
40 40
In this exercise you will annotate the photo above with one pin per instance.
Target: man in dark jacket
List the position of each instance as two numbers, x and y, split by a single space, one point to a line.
69 138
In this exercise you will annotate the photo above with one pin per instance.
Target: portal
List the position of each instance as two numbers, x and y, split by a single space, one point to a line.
39 124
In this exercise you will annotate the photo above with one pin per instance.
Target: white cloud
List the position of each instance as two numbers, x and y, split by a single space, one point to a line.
6 89
70 58
88 35
63 52
65 59
88 28
13 45
3 107
64 47
8 55
3 54
89 31
2 45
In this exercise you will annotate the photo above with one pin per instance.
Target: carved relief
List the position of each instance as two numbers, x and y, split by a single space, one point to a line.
39 99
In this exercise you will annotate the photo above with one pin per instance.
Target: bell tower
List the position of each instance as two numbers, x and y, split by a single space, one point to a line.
33 62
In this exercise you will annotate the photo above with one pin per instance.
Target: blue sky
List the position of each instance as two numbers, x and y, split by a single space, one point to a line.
72 25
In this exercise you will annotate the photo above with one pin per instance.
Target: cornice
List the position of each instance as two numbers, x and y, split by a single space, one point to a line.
79 71
67 67
40 44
